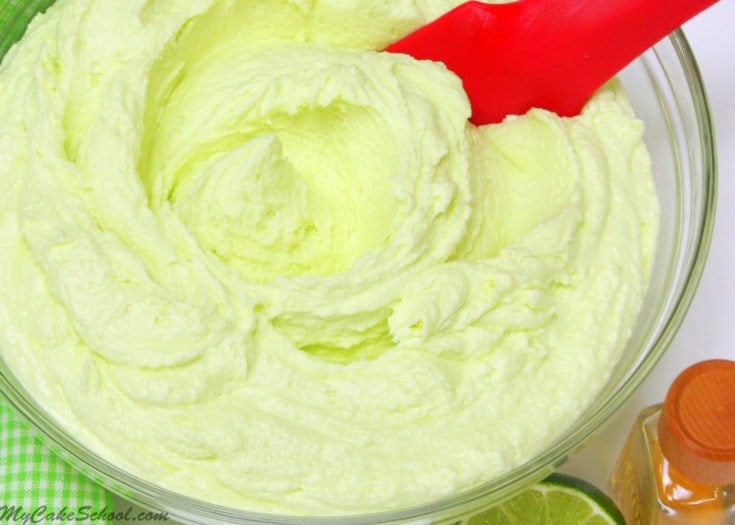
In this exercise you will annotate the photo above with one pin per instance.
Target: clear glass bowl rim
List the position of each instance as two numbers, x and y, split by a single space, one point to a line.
189 509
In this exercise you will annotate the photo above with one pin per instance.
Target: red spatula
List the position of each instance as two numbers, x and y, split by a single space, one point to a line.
552 54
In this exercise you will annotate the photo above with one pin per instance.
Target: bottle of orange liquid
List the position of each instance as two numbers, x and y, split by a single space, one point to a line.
678 464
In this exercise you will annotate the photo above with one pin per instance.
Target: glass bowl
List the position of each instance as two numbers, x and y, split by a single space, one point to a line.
666 91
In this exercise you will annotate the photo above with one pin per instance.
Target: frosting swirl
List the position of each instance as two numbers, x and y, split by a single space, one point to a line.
251 258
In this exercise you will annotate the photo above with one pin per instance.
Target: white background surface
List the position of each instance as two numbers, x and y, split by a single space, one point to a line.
709 328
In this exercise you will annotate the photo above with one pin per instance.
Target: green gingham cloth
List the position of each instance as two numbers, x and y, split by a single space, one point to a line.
36 480
14 17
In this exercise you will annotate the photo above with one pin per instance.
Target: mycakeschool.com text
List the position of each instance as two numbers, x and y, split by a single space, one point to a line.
44 514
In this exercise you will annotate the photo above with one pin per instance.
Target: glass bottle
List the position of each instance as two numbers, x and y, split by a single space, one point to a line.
678 463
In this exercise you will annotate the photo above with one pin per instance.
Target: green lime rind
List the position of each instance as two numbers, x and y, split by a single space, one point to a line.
557 500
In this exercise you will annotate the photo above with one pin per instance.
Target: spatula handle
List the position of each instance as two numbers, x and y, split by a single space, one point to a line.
552 54
598 38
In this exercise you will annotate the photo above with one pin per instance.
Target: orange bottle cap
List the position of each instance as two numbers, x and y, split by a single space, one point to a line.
697 425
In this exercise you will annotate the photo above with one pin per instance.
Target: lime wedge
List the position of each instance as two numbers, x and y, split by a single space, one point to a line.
557 500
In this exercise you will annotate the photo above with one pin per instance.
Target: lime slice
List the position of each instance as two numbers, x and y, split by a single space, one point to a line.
557 500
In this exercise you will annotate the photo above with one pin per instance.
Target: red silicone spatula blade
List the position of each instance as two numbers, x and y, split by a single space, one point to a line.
551 54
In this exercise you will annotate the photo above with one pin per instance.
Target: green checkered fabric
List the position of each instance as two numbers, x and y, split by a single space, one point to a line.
32 477
14 17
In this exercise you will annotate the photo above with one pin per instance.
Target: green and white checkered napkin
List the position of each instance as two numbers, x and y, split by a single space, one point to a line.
33 477
14 17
